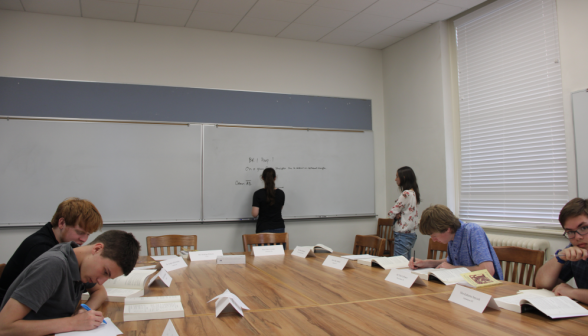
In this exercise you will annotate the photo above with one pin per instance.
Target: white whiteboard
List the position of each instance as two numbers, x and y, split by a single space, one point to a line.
131 172
580 109
322 173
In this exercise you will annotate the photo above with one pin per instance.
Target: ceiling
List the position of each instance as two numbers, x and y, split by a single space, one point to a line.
364 23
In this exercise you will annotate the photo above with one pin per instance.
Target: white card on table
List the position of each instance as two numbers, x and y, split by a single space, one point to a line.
472 299
303 251
228 302
205 255
173 264
338 262
169 330
404 278
164 257
145 267
164 276
268 250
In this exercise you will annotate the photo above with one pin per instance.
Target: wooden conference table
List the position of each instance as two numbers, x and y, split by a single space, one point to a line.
295 296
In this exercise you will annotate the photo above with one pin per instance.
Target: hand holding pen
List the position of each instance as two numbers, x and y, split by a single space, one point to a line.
96 316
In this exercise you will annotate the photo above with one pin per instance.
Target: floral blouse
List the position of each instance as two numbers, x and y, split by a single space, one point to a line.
406 206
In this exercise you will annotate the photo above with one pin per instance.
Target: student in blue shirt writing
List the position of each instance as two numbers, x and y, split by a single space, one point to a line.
467 243
571 262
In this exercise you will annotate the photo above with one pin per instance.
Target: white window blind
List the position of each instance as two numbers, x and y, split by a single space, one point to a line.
513 150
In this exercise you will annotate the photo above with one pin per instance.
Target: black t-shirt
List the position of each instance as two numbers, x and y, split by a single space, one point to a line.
270 216
29 250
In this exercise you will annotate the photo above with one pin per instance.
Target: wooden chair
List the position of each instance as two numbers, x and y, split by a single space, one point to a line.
369 245
2 268
519 264
436 250
158 243
259 239
386 231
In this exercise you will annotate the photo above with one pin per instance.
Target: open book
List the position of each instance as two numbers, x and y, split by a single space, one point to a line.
449 276
385 263
549 304
132 285
320 248
152 308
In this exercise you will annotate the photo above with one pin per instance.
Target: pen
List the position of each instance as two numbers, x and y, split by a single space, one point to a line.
88 309
414 256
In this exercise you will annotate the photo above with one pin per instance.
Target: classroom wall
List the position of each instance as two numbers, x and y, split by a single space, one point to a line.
69 48
414 110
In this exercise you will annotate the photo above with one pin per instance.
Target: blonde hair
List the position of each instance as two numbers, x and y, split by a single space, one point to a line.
73 209
438 218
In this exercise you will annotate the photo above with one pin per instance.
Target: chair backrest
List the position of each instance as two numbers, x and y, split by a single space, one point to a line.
2 268
259 239
519 264
386 231
169 243
373 245
436 250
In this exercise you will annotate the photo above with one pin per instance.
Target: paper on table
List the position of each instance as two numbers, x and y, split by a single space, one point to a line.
164 276
357 256
173 264
227 298
164 257
105 329
169 330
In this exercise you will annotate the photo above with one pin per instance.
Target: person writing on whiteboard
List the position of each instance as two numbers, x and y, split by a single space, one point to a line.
267 204
572 261
405 213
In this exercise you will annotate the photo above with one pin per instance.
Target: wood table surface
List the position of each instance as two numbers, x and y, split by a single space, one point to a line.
298 296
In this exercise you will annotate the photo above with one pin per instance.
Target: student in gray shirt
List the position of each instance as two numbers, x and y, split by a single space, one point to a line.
42 300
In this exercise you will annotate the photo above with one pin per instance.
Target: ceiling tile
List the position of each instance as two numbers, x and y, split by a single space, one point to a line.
57 7
405 28
369 23
235 7
257 26
11 5
179 4
304 32
346 37
466 4
109 10
397 8
163 16
277 10
436 12
379 41
350 5
325 17
213 21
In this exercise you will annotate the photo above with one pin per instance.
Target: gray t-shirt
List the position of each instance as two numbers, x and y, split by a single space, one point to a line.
51 285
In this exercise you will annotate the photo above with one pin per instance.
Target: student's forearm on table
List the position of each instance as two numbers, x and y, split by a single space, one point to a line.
97 298
548 274
40 327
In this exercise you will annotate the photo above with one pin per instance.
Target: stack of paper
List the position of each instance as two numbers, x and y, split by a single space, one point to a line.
448 276
554 307
357 256
385 263
123 287
152 308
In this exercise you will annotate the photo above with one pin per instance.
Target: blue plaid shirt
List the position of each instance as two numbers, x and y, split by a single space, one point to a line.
577 270
471 247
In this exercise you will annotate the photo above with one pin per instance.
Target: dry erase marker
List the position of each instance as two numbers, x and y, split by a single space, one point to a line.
88 309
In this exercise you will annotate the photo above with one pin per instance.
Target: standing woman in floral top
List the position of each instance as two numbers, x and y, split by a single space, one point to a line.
405 213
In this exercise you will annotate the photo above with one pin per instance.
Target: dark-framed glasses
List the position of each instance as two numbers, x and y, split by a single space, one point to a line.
581 231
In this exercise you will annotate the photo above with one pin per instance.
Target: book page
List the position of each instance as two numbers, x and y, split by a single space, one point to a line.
153 308
392 262
558 307
153 299
423 271
537 292
136 279
122 292
450 276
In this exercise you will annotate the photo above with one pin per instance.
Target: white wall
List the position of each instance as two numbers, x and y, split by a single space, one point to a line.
69 48
414 105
